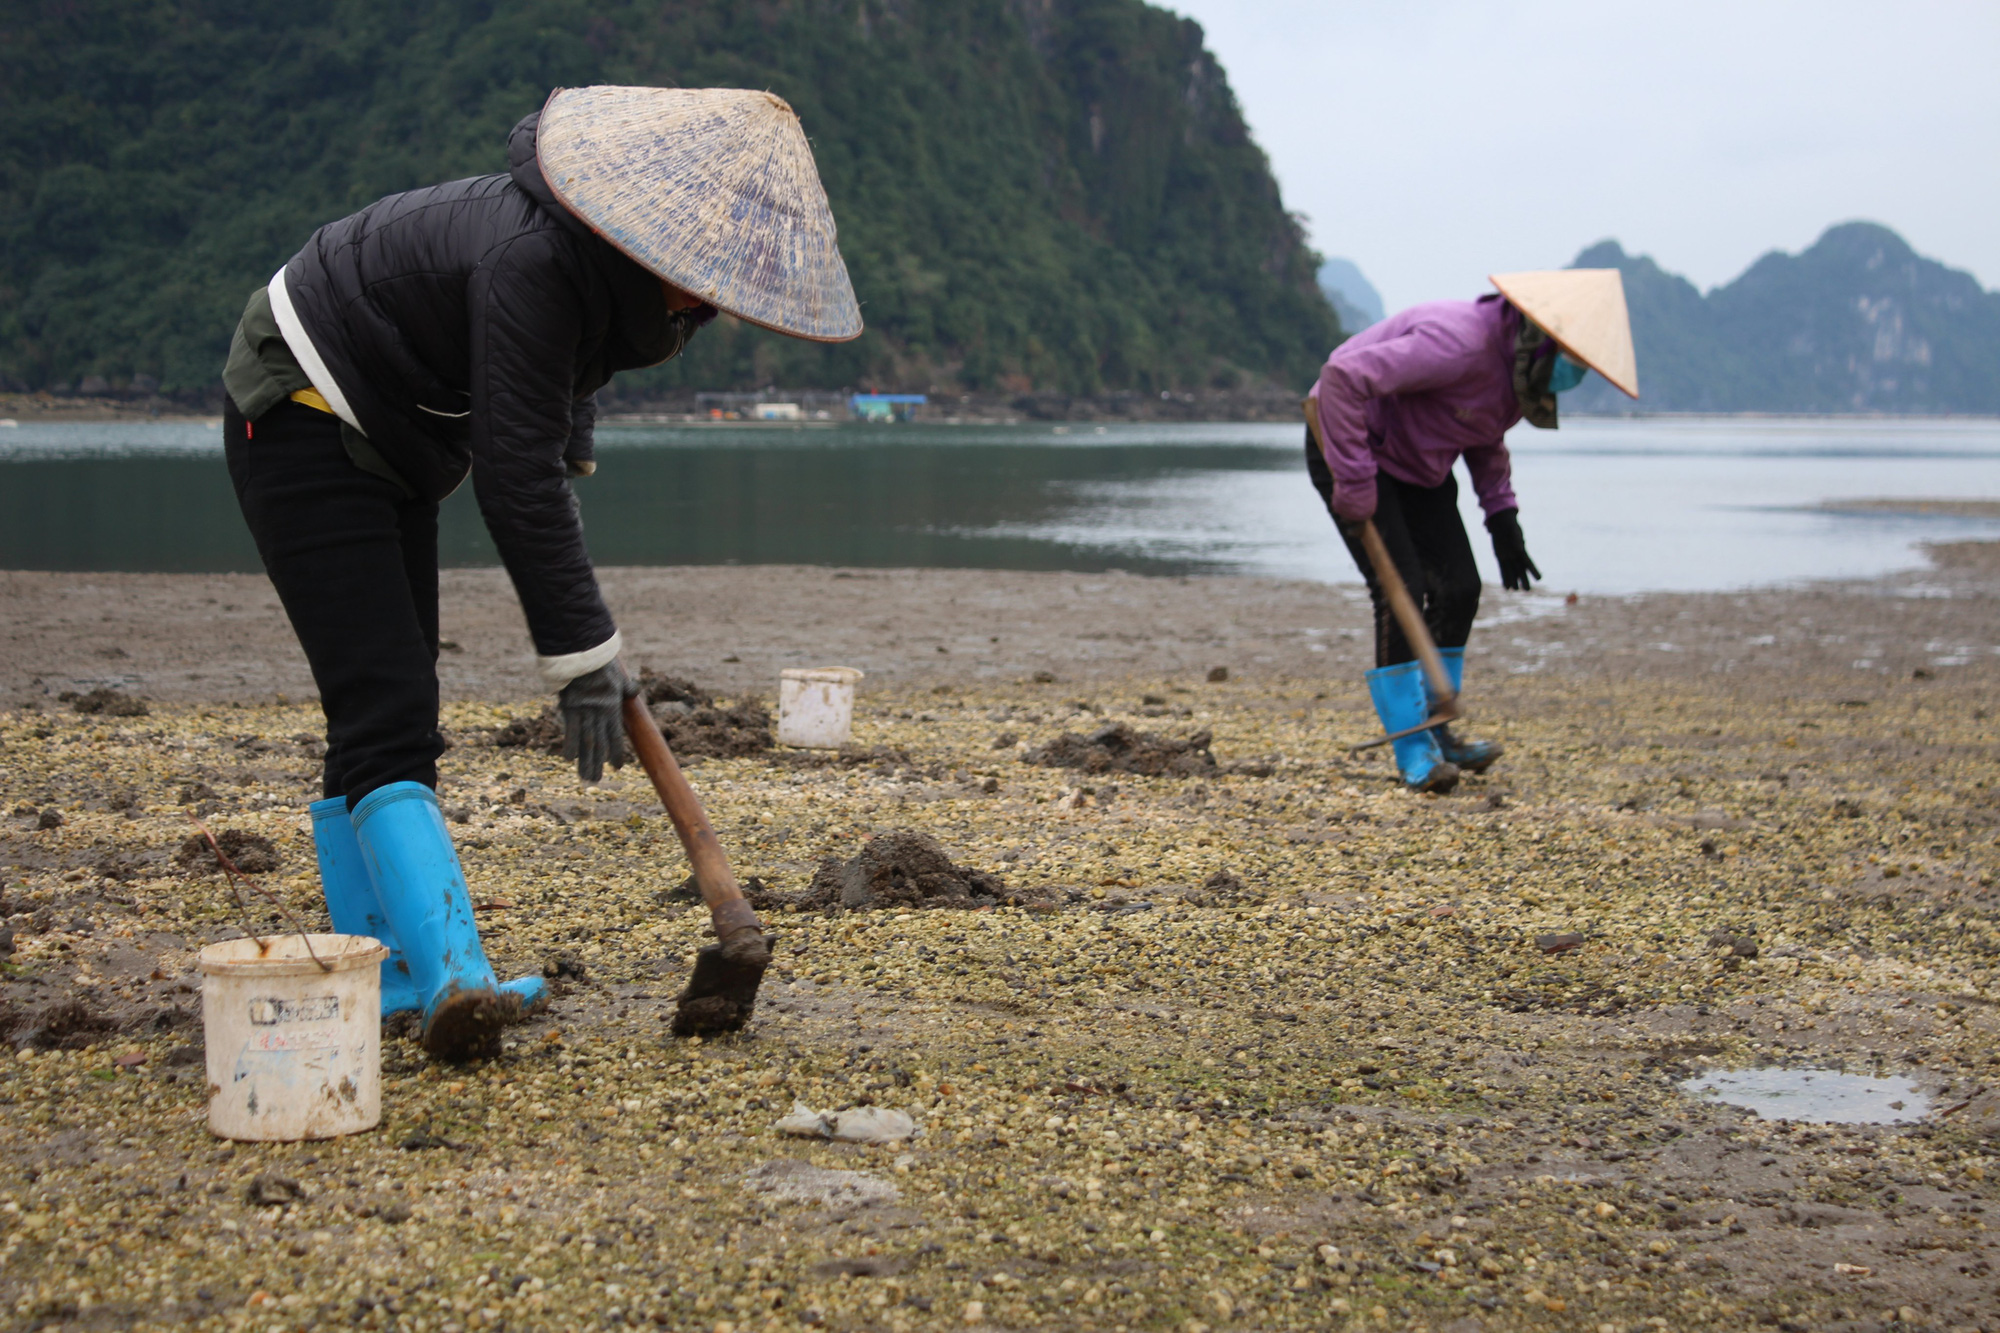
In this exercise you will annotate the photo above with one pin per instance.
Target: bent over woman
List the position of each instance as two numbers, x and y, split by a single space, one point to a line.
464 330
1396 406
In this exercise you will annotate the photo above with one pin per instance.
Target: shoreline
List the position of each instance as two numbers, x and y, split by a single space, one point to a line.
223 638
1261 405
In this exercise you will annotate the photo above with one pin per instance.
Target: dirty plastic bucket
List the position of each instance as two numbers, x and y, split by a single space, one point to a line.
294 1052
816 706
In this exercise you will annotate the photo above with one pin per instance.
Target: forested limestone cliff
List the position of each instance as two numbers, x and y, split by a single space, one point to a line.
1056 195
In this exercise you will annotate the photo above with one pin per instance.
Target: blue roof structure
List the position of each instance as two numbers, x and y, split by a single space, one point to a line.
886 406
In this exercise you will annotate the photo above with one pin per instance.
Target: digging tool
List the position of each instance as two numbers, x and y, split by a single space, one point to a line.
722 993
1408 616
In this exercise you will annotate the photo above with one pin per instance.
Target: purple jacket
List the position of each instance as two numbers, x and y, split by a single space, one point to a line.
1413 393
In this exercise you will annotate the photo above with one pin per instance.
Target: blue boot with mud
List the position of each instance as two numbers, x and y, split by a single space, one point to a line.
350 900
1402 702
1467 756
423 894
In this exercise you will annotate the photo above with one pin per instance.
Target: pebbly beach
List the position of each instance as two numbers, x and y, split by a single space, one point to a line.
971 668
1265 1042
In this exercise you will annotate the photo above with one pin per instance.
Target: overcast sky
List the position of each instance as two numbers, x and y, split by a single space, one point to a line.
1436 141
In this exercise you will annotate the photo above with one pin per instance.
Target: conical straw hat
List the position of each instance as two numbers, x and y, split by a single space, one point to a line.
1583 309
714 189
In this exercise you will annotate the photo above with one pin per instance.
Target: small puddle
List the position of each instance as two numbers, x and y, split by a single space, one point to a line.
1816 1096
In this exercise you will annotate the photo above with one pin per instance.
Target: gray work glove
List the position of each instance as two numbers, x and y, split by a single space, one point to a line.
593 719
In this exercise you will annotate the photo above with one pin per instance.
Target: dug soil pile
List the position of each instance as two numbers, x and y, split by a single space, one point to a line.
250 853
109 702
694 723
1117 748
710 730
65 1024
900 870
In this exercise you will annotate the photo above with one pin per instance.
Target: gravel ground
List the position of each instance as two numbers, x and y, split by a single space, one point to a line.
1281 1047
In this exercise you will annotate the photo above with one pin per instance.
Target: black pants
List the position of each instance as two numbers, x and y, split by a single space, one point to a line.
1426 540
355 563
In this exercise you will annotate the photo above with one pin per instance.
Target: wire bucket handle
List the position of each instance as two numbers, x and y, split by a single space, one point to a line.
233 874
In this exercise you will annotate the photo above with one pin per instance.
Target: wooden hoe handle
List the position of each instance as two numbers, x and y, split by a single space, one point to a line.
728 908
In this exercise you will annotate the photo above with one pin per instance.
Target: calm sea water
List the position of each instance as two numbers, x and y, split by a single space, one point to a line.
1608 505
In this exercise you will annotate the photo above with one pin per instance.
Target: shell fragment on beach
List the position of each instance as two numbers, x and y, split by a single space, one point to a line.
861 1124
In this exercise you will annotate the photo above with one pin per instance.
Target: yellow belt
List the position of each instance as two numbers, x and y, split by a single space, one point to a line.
311 398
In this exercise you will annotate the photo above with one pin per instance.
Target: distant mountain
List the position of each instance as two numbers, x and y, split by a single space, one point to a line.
1353 297
1858 323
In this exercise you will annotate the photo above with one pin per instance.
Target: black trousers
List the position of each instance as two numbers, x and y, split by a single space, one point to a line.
1426 540
355 564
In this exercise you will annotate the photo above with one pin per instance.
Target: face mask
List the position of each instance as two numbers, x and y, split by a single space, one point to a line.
1566 375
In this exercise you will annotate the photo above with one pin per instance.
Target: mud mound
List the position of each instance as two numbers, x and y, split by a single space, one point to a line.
717 733
689 717
251 853
105 701
905 869
760 895
885 759
1224 887
660 689
66 1025
543 734
1116 748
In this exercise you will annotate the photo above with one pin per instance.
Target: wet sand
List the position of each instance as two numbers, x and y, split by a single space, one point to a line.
223 637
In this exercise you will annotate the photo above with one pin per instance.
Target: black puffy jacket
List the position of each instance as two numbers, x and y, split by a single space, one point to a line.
469 326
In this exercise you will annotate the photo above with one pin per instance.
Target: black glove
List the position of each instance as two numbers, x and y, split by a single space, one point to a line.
593 719
1510 548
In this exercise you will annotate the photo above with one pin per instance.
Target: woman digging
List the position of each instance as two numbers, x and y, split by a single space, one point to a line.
464 330
1394 408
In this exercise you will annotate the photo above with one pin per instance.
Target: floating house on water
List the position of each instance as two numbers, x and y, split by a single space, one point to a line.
886 406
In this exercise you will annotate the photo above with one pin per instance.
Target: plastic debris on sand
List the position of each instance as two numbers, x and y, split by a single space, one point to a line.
860 1124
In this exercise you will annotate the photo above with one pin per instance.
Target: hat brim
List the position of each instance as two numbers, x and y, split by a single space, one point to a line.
1583 309
712 189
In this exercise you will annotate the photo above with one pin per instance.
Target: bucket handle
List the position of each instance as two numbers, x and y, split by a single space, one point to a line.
222 859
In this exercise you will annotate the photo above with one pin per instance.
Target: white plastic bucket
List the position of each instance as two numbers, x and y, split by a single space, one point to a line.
816 706
294 1052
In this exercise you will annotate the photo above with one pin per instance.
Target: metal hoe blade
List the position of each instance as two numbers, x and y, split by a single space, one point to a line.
722 993
1436 719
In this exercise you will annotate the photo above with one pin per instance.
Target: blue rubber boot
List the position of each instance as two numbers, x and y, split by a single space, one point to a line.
1467 756
1401 702
422 892
350 900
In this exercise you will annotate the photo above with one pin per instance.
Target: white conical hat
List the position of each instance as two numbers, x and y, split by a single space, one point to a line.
1583 309
714 189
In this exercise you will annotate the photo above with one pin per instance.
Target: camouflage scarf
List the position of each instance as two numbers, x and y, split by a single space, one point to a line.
1534 362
